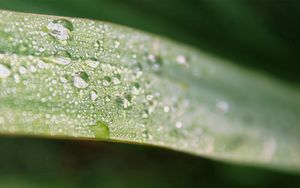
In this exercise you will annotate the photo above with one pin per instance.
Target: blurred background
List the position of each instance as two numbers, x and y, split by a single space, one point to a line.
262 35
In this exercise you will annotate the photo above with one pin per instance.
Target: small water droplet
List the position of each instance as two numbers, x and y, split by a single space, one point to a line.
60 29
106 81
42 65
149 97
155 61
166 109
107 98
80 80
100 130
61 58
32 68
16 78
22 70
116 79
145 114
93 63
4 71
178 124
63 79
125 102
181 60
136 89
93 95
223 106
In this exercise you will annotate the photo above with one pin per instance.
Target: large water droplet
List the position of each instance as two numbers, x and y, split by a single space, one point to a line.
60 29
93 63
100 130
4 71
80 80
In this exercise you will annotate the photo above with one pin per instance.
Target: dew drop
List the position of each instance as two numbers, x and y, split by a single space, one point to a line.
125 102
100 130
181 60
178 124
42 65
155 61
4 71
16 78
136 89
106 81
93 95
93 63
223 106
32 68
149 97
63 79
22 70
116 79
60 29
166 109
80 80
62 60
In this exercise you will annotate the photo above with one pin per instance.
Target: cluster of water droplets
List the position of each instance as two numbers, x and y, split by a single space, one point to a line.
95 93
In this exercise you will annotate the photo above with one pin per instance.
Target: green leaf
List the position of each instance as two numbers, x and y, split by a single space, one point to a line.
77 78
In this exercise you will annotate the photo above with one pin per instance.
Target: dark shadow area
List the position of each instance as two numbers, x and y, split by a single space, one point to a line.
32 162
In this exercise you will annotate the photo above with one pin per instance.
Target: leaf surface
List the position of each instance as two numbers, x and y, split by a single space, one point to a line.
78 78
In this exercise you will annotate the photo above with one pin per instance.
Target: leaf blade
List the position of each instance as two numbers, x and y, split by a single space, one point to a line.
108 80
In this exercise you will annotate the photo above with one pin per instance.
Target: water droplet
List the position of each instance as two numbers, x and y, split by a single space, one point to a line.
166 109
106 81
4 71
145 114
125 102
136 89
16 78
80 80
22 70
93 63
181 60
93 95
116 79
155 61
42 65
223 106
107 98
178 124
61 58
100 130
60 29
32 68
149 97
63 79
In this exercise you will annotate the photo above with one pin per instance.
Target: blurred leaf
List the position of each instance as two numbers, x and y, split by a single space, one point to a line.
65 77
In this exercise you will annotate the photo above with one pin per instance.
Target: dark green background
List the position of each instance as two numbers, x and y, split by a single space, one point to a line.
258 34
